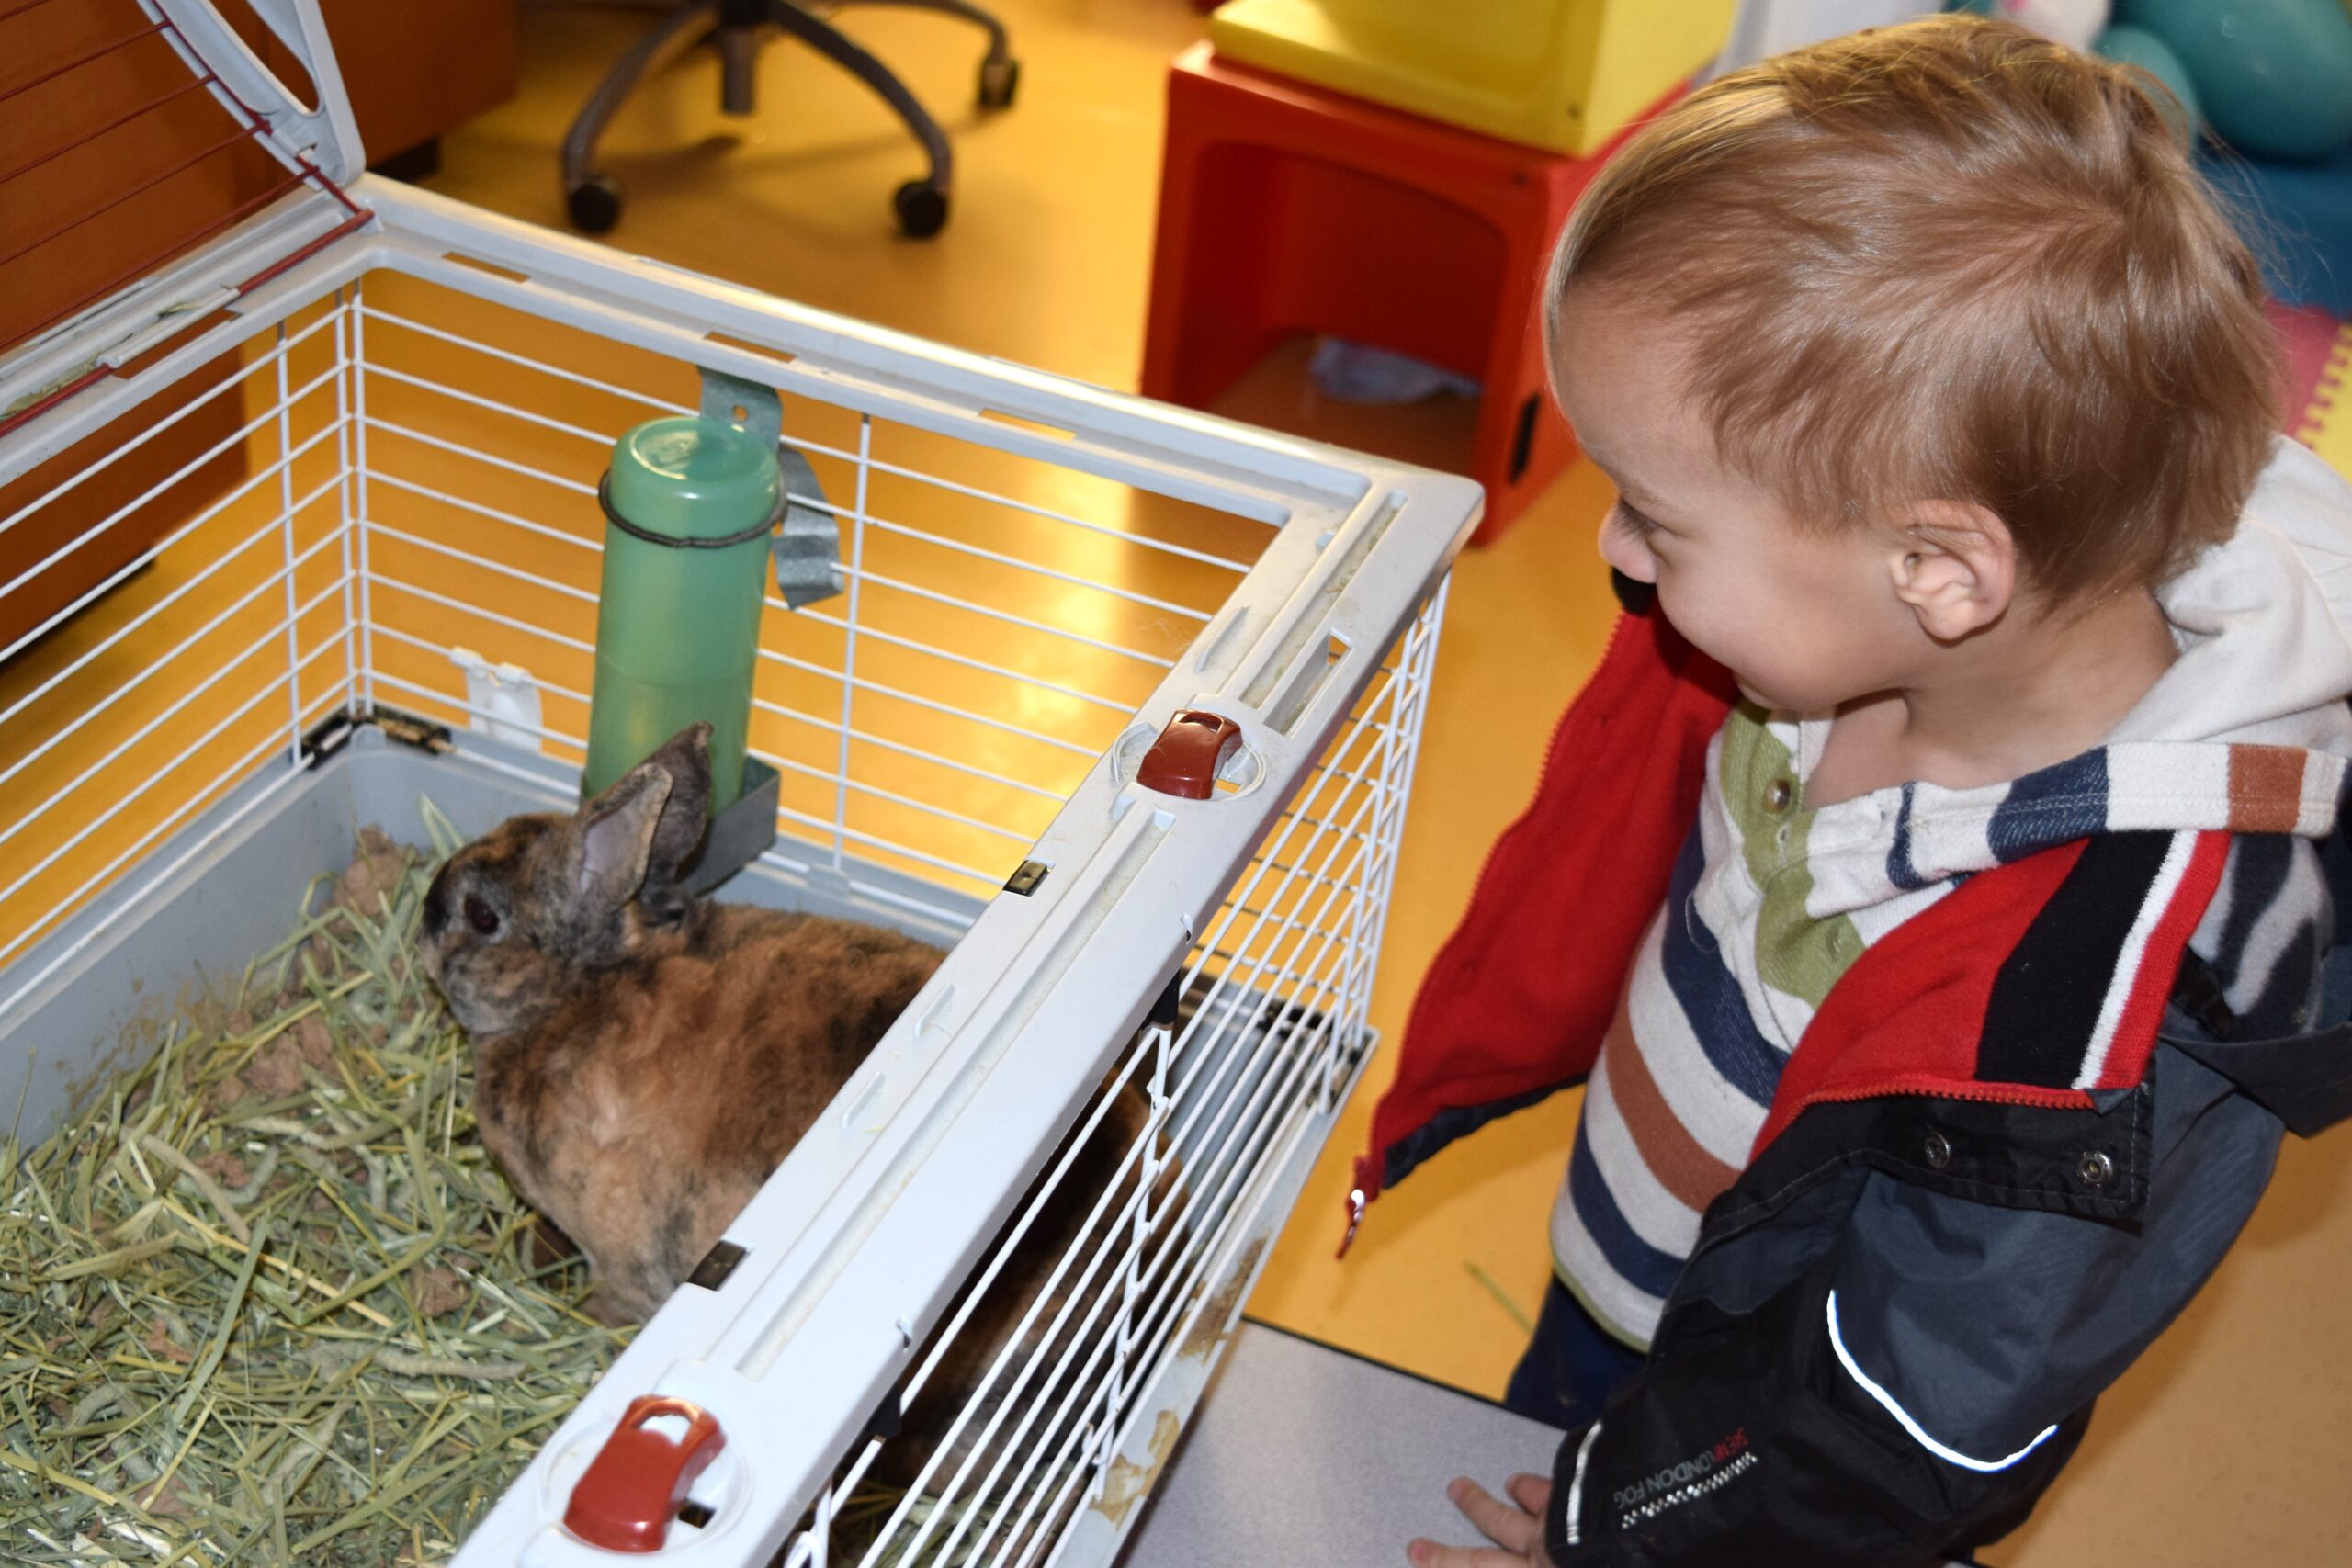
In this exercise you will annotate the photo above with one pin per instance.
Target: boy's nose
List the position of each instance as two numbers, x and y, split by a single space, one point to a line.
1629 555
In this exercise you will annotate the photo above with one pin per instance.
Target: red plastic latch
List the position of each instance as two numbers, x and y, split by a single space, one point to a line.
1184 760
639 1479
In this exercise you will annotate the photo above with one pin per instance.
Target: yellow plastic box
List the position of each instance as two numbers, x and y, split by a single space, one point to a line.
1561 74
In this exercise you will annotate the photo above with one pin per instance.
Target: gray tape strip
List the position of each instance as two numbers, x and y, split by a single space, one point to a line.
809 545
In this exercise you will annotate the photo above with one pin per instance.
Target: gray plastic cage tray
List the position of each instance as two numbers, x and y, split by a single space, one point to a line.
129 966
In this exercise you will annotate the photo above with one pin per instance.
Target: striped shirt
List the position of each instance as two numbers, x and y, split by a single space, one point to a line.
1771 903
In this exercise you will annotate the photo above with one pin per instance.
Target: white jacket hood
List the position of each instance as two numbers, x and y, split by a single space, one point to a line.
2263 622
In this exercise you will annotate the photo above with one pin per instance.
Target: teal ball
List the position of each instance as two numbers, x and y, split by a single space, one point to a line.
2274 77
2127 45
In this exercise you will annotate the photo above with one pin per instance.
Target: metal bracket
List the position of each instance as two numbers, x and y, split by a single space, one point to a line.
409 731
327 737
748 406
716 1265
808 547
1168 1008
332 733
887 1420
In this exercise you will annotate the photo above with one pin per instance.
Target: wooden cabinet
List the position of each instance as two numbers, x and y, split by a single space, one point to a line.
416 69
80 512
112 160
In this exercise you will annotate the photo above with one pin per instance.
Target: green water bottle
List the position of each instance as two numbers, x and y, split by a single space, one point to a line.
689 505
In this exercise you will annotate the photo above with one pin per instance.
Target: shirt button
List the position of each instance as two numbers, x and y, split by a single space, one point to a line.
2094 1169
1936 1151
1778 793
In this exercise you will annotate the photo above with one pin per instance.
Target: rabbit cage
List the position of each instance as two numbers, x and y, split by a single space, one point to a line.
393 597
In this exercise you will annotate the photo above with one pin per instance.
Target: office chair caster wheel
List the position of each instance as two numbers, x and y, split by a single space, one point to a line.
923 209
1000 80
595 204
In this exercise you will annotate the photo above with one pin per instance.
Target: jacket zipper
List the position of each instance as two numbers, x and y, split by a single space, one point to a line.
1981 1093
1987 1094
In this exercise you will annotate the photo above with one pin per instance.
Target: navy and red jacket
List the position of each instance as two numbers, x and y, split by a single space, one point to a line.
1888 1337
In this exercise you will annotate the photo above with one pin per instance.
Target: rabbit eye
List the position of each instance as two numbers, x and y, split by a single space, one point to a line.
480 916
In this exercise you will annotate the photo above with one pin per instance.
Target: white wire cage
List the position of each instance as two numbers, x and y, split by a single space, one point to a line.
394 534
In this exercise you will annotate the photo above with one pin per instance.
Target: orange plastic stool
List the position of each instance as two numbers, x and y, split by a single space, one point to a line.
1285 209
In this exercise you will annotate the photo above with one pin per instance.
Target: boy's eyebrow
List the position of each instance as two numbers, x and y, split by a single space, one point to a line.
1611 472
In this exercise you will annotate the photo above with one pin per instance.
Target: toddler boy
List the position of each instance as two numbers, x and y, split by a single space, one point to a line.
1930 886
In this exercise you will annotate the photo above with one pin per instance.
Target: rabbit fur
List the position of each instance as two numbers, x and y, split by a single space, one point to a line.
645 1059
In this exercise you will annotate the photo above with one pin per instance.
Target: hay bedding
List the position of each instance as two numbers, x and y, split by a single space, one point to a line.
267 1299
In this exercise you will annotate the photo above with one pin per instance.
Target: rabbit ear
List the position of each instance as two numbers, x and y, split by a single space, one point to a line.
685 757
613 837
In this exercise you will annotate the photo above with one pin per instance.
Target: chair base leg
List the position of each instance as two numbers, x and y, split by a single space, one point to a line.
921 205
1000 79
739 68
593 199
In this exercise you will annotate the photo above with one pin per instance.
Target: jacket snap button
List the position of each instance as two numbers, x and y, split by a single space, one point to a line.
1777 795
2096 1169
1936 1150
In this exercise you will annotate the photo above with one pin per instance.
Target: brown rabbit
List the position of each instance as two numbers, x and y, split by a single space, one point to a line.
645 1059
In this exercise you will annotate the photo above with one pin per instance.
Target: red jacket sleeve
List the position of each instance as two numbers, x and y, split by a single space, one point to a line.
1518 1000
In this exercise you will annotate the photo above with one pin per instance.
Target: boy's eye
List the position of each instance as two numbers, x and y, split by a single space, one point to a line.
1636 521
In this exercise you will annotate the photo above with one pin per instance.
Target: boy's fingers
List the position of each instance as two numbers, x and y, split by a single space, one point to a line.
1533 1492
1429 1554
1497 1520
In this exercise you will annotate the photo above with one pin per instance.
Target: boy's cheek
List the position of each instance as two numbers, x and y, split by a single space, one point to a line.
1718 623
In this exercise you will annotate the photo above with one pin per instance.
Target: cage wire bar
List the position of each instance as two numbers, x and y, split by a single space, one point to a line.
1218 1115
98 693
472 579
1035 576
566 469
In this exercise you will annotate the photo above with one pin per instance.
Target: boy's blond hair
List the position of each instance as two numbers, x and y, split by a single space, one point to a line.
1951 261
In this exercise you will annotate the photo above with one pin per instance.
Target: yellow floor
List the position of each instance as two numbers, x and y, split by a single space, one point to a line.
2221 1447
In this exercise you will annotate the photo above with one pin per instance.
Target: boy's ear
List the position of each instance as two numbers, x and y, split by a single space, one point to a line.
1955 564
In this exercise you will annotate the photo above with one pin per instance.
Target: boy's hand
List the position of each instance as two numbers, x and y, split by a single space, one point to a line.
1517 1531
